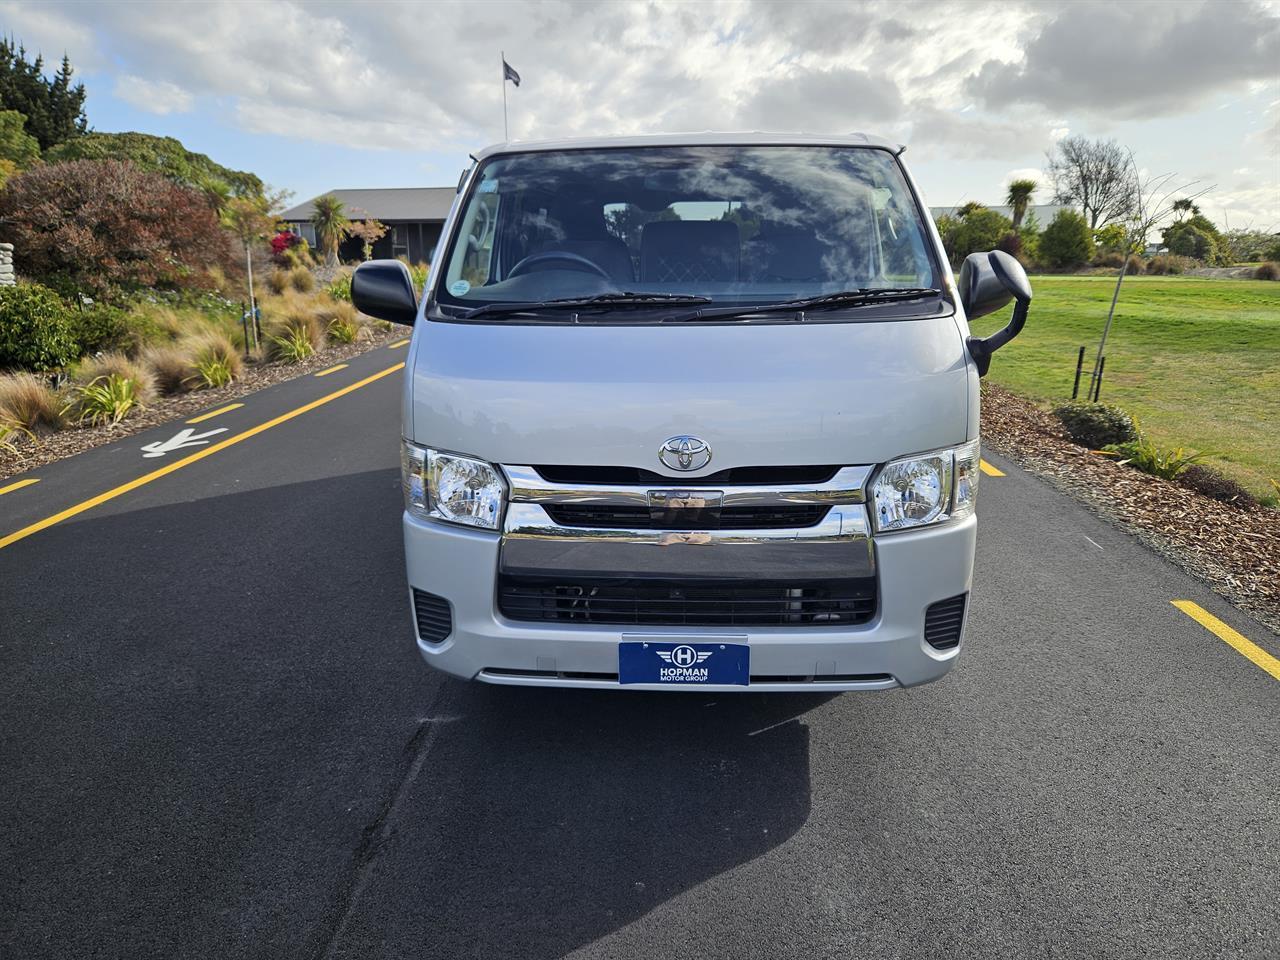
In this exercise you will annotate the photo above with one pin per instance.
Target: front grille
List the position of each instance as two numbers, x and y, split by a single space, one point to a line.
773 517
943 622
713 603
435 619
757 476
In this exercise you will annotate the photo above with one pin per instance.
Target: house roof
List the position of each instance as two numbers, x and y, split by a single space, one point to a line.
384 203
1044 212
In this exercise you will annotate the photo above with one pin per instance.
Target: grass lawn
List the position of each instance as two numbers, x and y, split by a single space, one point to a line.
1196 361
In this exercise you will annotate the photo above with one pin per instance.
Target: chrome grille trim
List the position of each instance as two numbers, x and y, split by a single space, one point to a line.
839 545
847 486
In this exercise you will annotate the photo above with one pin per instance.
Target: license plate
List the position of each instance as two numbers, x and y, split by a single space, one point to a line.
683 664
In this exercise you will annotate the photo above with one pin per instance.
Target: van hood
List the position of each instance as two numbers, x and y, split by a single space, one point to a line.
758 394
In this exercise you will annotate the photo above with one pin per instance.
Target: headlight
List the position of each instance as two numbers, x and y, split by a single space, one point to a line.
449 487
926 489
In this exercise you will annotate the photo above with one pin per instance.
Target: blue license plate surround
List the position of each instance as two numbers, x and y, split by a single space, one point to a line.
684 663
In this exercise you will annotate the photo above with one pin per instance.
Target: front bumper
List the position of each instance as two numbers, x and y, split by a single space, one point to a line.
914 569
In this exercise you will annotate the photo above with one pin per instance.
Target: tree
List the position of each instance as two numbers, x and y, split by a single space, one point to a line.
54 109
251 221
163 155
16 145
329 216
1182 207
1020 193
1094 175
104 225
973 229
369 231
1067 241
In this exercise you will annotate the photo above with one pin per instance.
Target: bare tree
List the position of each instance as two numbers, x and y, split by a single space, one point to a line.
1151 202
1096 175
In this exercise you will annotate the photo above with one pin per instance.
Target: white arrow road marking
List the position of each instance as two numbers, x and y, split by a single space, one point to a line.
184 438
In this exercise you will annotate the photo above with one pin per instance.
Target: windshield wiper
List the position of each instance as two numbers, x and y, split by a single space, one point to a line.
827 301
598 300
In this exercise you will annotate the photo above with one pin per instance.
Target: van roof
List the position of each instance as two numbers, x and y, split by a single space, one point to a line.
694 140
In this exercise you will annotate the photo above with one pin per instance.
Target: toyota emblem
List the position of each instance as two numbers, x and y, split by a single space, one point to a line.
685 453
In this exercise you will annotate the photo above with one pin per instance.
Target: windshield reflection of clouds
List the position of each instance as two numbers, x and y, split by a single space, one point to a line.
809 219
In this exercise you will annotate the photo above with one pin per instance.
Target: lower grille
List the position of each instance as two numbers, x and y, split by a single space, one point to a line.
652 602
943 622
773 517
435 619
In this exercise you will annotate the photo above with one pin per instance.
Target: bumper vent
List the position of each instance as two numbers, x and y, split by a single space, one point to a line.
943 622
435 619
816 603
773 517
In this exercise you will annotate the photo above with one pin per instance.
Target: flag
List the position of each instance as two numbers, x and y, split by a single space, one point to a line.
509 73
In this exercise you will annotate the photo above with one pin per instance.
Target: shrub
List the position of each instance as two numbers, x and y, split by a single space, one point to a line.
1108 258
28 402
296 314
291 345
340 288
1268 271
102 224
974 229
35 328
8 433
1144 455
97 327
343 331
214 360
1067 242
119 365
302 279
1134 266
171 367
1167 263
1096 425
278 281
107 400
1213 483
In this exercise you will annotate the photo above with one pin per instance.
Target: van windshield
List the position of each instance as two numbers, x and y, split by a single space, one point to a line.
732 224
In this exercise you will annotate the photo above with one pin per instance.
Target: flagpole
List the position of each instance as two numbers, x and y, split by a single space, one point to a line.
505 135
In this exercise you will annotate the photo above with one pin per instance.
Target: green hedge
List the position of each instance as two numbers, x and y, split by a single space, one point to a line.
36 329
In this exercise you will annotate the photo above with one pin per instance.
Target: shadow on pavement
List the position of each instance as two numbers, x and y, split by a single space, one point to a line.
543 819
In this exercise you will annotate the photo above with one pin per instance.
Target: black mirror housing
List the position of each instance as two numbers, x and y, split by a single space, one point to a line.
384 289
987 282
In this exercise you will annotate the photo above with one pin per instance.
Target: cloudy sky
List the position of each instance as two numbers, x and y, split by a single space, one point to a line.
312 96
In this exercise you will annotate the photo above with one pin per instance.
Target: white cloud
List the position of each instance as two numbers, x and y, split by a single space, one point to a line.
996 82
153 96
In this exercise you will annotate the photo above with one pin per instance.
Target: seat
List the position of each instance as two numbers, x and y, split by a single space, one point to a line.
689 251
781 254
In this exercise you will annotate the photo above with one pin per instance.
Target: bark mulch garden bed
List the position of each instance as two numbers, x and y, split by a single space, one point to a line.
1236 550
75 439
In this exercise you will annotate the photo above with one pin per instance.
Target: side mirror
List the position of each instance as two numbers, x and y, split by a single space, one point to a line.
384 289
987 282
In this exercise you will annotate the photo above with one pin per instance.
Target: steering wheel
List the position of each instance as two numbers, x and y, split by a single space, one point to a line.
542 261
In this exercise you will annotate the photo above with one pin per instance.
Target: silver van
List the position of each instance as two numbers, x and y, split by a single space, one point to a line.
692 412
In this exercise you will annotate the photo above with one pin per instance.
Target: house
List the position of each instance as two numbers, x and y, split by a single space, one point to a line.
1043 212
414 217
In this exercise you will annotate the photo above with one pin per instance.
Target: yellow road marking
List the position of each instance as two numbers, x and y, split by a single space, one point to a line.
213 413
399 343
1243 645
989 470
192 458
19 485
325 373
